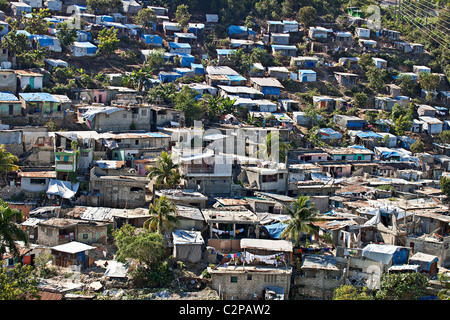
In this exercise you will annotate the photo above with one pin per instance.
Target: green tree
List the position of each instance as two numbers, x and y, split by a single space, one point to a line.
163 93
401 125
301 212
18 283
407 84
108 41
371 116
260 55
9 230
227 105
139 78
417 147
7 161
15 43
365 61
163 216
67 36
35 23
165 171
402 286
397 111
375 78
213 106
444 279
429 81
444 184
103 6
242 61
183 16
360 99
146 17
140 244
348 292
444 136
185 100
307 16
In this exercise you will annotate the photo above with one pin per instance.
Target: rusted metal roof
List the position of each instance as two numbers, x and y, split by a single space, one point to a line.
37 174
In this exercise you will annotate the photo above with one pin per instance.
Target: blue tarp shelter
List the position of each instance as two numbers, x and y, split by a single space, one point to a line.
275 229
164 76
368 134
240 30
152 39
386 253
186 59
198 68
83 36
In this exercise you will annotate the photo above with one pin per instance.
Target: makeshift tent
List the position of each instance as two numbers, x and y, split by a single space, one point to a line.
198 68
187 245
152 39
275 229
64 189
386 253
90 114
186 59
427 262
240 30
116 269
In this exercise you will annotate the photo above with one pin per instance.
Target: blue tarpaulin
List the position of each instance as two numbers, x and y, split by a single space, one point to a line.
107 19
236 78
240 30
152 39
367 134
186 59
168 76
275 229
44 41
198 68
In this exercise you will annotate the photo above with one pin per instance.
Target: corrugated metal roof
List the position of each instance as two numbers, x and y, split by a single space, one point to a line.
267 82
8 96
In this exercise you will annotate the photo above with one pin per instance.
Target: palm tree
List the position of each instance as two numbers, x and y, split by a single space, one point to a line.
162 215
213 106
9 231
165 171
7 162
302 212
227 105
266 148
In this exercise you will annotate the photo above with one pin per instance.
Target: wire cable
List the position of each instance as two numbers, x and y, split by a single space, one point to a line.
423 28
410 15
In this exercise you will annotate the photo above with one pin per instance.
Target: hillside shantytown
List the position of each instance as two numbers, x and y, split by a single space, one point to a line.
224 150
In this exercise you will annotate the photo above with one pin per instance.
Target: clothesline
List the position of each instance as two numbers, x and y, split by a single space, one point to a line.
220 232
246 257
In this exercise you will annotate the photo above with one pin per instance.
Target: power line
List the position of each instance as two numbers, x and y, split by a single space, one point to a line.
434 9
423 28
436 23
424 17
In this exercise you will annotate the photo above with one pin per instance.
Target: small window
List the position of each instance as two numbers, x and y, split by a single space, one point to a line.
249 277
124 115
85 235
136 142
234 279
